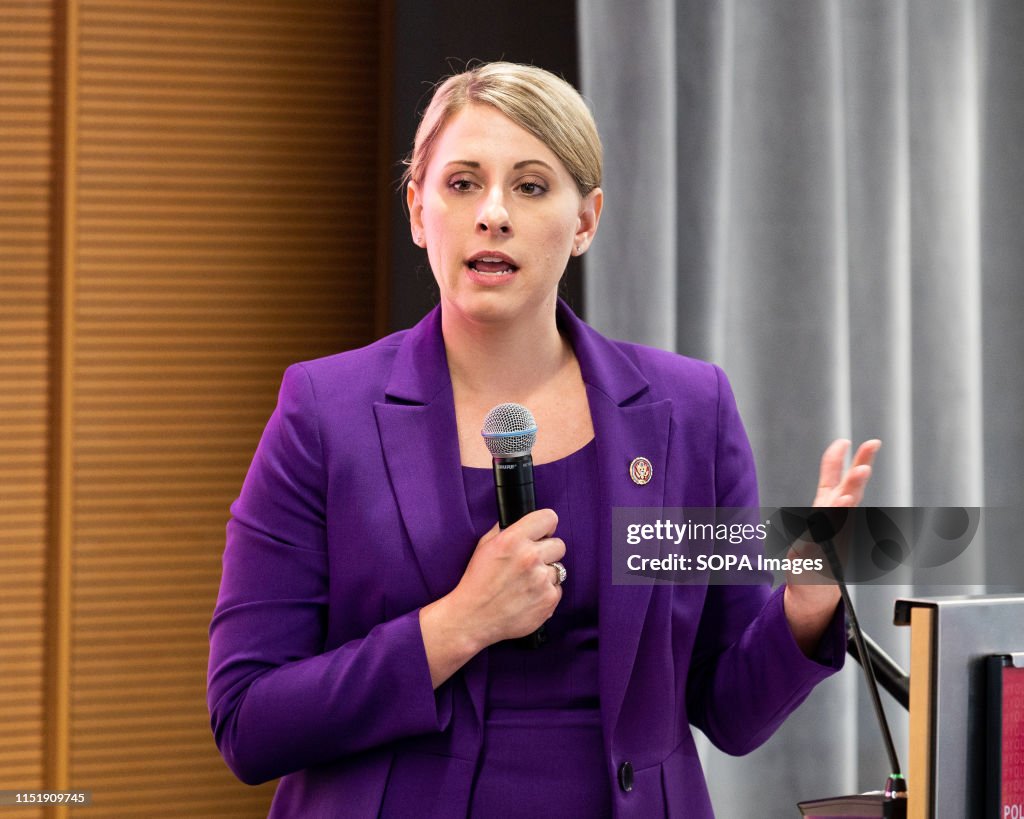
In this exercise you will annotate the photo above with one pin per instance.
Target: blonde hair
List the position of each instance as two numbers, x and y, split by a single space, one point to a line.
537 100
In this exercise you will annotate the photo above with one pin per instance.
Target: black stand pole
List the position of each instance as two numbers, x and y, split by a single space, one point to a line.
894 805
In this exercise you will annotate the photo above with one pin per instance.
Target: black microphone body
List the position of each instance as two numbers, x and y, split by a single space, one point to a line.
513 485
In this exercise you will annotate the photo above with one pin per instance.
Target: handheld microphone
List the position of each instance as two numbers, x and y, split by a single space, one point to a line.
510 433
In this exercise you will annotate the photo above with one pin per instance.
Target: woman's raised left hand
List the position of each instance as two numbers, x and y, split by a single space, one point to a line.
838 488
809 607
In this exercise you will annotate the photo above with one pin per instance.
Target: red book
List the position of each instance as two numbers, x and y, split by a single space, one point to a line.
1005 769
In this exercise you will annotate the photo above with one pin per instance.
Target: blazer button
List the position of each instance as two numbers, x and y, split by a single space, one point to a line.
626 776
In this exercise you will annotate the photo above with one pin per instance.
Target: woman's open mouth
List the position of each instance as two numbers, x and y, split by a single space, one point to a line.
491 264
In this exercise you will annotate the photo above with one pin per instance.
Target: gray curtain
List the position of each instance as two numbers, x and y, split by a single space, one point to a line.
825 197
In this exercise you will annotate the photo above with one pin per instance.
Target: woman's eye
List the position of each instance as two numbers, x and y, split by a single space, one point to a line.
460 185
532 188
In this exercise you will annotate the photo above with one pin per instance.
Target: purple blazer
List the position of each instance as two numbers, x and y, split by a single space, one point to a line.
353 516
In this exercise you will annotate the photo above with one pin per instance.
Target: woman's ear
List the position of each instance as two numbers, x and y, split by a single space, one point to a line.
589 218
414 200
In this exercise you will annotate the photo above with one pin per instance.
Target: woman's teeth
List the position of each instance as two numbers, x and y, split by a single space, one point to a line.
492 267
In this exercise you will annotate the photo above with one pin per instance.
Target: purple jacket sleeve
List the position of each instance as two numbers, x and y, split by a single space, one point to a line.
279 699
747 672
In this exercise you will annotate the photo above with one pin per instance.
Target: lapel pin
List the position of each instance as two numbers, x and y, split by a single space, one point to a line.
641 471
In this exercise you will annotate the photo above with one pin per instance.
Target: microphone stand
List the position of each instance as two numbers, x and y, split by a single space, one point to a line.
890 676
894 802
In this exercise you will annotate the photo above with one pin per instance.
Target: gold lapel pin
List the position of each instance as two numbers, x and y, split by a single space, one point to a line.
641 471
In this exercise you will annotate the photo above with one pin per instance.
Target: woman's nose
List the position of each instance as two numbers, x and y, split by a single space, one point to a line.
493 216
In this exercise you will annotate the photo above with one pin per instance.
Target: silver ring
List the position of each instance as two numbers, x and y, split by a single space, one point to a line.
560 572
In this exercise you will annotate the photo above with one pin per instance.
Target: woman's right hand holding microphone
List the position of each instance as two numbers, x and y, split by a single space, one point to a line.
509 590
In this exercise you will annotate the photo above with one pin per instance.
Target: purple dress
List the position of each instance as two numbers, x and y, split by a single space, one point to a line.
543 754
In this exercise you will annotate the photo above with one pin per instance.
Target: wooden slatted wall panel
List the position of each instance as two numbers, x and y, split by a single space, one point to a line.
227 156
26 80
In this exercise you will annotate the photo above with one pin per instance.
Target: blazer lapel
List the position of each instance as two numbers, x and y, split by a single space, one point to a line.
624 433
420 442
626 425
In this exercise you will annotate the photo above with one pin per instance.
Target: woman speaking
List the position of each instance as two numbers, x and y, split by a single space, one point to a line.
363 643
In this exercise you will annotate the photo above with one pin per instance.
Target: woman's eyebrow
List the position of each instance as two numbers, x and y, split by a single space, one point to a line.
525 162
469 163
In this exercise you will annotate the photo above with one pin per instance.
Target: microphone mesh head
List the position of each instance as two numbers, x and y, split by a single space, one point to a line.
509 430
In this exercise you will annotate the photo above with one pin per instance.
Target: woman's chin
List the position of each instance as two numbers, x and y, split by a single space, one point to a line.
491 307
499 299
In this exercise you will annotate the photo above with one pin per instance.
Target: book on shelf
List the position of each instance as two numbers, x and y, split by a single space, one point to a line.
857 806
